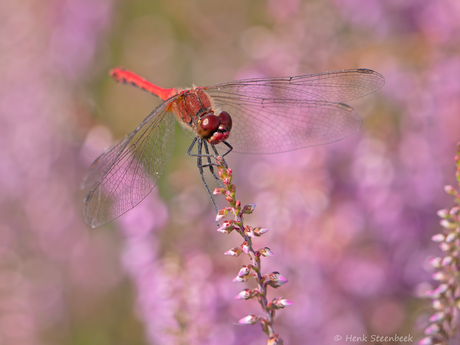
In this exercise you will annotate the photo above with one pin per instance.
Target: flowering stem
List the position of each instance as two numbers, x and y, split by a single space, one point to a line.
273 279
446 297
257 267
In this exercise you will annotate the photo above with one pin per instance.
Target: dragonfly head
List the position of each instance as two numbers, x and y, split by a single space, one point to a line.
215 129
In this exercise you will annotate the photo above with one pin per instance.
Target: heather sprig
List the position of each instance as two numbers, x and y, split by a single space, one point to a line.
254 268
446 297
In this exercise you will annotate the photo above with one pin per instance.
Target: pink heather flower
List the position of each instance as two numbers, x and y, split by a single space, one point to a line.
248 209
451 237
260 231
447 261
443 213
280 302
436 262
438 238
226 227
266 252
426 341
218 191
445 247
449 189
437 304
245 294
245 247
243 279
248 231
244 271
275 279
249 320
454 211
236 251
441 289
432 329
446 224
437 316
439 276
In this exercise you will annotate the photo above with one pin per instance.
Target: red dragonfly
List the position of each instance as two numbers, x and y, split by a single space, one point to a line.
261 116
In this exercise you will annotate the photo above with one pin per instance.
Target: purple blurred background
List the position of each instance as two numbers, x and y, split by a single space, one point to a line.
349 222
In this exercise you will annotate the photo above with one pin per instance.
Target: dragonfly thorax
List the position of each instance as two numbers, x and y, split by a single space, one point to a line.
213 128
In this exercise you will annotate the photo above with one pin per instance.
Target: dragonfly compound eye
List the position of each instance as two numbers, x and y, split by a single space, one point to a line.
207 126
223 131
226 119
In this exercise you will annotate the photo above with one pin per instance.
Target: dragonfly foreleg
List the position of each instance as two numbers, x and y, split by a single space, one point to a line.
200 166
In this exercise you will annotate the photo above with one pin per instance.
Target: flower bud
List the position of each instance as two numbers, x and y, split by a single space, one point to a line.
235 251
275 279
248 231
244 271
437 304
222 213
249 320
279 303
451 237
441 289
426 341
259 231
438 238
436 317
445 247
227 227
266 252
248 209
439 276
243 279
245 247
449 190
436 262
446 224
245 294
432 329
454 211
218 191
443 213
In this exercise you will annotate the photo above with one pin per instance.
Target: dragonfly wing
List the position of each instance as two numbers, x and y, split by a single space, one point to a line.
273 126
335 86
124 175
272 115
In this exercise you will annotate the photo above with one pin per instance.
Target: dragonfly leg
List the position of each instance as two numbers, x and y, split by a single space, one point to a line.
191 147
230 148
211 165
200 165
208 163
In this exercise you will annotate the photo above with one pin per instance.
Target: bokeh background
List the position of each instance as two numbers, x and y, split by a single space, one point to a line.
350 222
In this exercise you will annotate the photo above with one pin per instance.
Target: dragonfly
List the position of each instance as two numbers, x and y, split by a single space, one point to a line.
254 116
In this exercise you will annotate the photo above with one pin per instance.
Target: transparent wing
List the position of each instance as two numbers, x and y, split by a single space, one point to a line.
124 175
336 86
272 115
273 126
